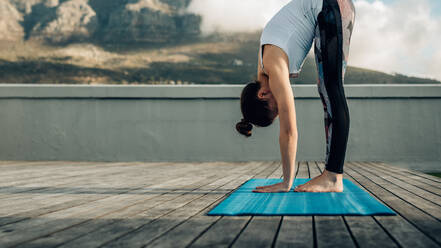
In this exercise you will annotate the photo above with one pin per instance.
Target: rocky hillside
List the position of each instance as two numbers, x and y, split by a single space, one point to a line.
64 21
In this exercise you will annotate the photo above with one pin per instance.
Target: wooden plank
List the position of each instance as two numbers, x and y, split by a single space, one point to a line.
303 171
151 231
49 190
314 170
222 232
183 234
407 184
260 232
15 169
47 195
407 227
330 231
33 176
364 229
187 223
35 228
9 162
75 202
75 232
12 166
413 180
45 184
186 232
431 178
368 233
393 186
33 173
214 237
87 211
63 174
75 193
278 173
405 233
85 172
99 180
164 211
297 231
267 226
268 171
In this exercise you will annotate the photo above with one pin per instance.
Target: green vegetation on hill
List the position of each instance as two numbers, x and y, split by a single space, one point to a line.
218 59
435 174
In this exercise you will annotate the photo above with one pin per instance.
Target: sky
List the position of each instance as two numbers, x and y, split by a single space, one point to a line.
393 36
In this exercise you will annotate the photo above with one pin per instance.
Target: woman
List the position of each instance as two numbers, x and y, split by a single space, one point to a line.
284 44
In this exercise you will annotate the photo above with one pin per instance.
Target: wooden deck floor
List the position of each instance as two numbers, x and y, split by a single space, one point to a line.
66 204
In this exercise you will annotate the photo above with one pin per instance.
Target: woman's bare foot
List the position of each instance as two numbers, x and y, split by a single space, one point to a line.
326 182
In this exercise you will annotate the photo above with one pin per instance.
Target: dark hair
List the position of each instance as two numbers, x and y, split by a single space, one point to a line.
254 110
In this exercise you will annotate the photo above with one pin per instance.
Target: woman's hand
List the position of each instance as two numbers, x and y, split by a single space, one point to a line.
274 188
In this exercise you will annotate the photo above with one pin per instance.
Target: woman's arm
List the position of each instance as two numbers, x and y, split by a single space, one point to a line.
278 76
288 136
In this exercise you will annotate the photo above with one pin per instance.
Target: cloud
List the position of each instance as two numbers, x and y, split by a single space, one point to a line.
401 37
235 15
398 37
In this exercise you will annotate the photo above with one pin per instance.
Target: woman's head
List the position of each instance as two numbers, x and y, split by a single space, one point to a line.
258 108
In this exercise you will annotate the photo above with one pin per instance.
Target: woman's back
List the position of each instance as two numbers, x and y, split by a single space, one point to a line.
292 29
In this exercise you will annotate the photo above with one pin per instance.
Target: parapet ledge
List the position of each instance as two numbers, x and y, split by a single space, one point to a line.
205 91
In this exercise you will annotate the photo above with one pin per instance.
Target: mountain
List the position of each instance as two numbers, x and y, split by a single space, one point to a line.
64 21
10 19
206 60
130 42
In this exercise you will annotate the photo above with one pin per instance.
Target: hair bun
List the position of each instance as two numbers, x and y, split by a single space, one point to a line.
244 127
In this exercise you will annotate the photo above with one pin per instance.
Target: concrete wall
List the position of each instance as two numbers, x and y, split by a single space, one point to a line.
197 123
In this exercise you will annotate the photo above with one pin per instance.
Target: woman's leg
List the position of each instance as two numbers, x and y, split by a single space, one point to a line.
334 30
332 39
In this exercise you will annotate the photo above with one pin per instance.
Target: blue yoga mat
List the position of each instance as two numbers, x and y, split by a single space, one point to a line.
352 201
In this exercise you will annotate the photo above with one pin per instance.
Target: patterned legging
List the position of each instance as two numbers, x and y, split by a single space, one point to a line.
331 46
